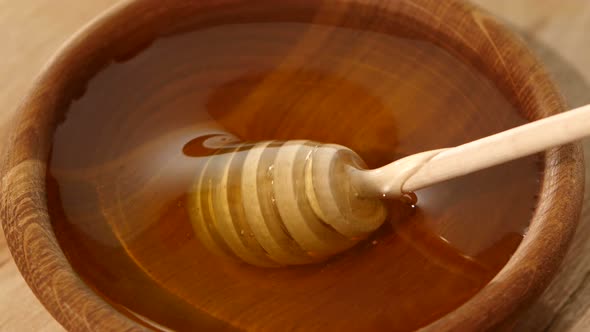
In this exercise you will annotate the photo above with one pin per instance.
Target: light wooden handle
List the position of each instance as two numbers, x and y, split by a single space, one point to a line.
431 167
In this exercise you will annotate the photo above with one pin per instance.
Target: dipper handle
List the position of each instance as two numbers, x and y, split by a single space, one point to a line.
427 168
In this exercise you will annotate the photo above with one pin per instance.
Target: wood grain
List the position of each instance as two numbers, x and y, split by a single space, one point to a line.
556 31
31 31
557 23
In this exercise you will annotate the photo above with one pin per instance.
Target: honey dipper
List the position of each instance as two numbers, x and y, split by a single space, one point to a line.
297 202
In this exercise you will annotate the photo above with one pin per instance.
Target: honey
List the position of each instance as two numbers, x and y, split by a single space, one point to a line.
125 157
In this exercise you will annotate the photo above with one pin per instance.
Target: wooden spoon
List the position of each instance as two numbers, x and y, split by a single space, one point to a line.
298 202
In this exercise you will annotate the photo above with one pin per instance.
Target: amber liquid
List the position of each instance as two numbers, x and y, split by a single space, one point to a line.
121 169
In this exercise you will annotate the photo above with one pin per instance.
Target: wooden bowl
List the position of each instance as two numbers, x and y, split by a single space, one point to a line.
452 24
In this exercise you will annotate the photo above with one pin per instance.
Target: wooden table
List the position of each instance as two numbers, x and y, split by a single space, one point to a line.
31 30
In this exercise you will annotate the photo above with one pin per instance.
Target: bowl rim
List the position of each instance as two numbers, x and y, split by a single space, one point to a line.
76 306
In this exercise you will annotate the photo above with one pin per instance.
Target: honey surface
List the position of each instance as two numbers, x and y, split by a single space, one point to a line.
121 169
